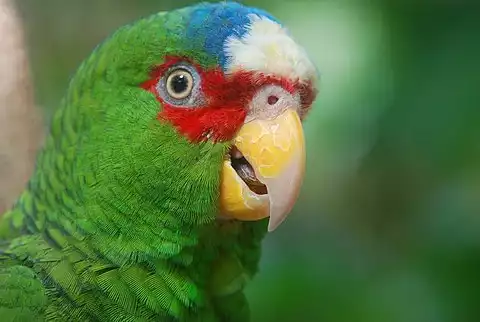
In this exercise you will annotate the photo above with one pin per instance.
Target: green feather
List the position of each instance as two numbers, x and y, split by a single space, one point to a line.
22 295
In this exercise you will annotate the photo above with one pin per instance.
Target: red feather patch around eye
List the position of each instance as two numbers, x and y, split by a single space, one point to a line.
226 100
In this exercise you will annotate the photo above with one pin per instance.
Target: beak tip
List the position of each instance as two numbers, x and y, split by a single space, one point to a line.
271 229
274 223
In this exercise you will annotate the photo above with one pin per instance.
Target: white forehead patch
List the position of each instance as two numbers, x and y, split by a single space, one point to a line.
268 48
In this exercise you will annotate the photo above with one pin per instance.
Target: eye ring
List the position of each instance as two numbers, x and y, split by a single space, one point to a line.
179 84
188 95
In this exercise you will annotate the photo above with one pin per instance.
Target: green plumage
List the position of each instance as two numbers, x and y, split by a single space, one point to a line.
118 221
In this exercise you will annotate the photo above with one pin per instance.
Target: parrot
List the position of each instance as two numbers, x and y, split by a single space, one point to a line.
177 147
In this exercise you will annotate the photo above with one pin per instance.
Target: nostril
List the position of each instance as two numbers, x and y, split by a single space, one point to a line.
272 99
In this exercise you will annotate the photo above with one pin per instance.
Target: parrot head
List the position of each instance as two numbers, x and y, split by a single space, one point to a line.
186 117
250 94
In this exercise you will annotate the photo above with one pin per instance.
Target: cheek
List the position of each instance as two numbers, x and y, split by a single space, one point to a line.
218 124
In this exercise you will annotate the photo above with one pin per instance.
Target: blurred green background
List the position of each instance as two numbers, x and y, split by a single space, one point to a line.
387 228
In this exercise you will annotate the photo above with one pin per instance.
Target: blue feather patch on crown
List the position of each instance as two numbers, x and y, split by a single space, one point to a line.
213 24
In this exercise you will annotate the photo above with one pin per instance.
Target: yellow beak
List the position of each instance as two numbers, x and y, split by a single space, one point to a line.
275 149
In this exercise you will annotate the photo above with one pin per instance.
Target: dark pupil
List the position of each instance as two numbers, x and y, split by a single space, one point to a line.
179 83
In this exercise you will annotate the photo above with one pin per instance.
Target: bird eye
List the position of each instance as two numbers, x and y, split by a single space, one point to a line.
179 84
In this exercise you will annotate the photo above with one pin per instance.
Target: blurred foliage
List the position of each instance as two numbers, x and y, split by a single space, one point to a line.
387 226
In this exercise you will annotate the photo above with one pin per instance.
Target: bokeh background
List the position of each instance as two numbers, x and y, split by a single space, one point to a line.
387 228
